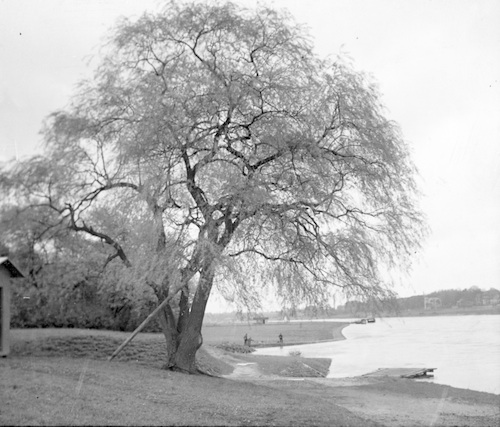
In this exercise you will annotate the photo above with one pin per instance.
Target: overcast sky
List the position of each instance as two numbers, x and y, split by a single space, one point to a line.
437 64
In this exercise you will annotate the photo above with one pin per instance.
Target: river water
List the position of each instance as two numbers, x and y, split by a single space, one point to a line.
465 350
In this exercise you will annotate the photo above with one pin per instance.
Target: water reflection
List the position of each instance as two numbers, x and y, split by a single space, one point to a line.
464 349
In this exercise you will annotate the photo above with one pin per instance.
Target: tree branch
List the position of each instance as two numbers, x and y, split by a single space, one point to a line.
104 237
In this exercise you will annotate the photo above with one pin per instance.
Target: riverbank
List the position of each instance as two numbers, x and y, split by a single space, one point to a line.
293 333
61 377
219 355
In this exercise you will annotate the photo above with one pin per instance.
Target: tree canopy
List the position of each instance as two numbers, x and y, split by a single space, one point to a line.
213 146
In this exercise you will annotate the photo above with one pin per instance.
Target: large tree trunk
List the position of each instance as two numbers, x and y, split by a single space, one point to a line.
182 327
169 328
190 339
183 332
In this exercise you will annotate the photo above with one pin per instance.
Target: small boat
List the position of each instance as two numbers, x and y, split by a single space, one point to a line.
371 320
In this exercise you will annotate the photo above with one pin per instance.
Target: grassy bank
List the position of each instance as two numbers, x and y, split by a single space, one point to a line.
265 335
148 349
293 333
68 391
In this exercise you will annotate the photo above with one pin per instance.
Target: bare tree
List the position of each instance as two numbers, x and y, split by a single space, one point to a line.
244 158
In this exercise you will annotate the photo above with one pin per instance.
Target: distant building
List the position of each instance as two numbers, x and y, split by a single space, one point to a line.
260 319
491 297
8 271
432 303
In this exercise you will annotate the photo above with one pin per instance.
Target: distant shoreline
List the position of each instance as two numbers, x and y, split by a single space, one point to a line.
489 310
462 311
455 311
337 335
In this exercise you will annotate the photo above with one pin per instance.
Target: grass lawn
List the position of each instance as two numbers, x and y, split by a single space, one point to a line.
72 391
61 377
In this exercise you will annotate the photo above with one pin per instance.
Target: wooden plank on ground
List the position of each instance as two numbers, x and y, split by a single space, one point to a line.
401 372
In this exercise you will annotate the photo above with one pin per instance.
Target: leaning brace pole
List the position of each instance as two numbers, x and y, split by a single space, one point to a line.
142 325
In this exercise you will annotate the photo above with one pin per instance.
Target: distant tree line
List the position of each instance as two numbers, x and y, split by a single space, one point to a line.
449 298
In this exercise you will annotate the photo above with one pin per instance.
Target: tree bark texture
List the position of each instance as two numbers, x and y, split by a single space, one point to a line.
182 331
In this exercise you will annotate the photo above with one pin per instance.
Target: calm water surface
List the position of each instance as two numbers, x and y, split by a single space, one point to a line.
464 349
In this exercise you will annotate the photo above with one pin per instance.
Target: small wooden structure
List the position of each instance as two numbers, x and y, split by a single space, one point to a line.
8 271
261 320
402 372
432 303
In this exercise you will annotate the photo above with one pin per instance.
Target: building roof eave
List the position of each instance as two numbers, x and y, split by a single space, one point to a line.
11 268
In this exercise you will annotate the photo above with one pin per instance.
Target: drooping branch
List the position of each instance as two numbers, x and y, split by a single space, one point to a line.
104 237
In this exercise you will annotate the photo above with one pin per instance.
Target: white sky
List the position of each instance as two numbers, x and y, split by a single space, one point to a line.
437 63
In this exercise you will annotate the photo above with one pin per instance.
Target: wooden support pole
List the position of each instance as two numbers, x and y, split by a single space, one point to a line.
141 326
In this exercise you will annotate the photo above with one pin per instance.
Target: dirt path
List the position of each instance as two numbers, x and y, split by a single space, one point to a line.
248 365
246 370
242 370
